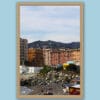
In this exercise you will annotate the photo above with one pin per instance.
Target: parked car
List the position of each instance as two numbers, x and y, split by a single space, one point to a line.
74 90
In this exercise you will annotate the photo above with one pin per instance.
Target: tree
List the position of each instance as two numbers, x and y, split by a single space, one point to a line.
45 70
73 67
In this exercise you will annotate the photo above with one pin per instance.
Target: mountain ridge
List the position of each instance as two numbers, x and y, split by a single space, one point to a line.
53 44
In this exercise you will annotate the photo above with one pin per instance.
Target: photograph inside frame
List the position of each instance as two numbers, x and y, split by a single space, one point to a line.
50 49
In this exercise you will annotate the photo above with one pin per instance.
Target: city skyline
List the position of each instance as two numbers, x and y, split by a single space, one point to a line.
51 49
56 23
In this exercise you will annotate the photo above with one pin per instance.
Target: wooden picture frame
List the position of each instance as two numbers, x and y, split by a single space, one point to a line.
19 4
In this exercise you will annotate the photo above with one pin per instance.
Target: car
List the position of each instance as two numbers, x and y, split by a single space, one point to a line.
74 90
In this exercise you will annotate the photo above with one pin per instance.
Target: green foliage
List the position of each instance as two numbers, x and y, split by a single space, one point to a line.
46 69
73 67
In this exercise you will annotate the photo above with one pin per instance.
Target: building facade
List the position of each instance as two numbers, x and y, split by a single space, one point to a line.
23 50
52 57
73 55
35 57
61 56
47 56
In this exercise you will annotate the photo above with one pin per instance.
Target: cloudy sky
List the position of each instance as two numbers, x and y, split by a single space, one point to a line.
57 23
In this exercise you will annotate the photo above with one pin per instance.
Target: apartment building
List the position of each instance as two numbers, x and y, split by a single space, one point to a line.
47 56
35 57
52 57
23 50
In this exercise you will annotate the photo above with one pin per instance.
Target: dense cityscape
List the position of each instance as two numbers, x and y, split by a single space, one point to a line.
49 70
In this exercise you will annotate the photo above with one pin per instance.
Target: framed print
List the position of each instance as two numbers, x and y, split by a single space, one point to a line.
49 50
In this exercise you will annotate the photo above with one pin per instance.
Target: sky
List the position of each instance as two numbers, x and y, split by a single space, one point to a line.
56 23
